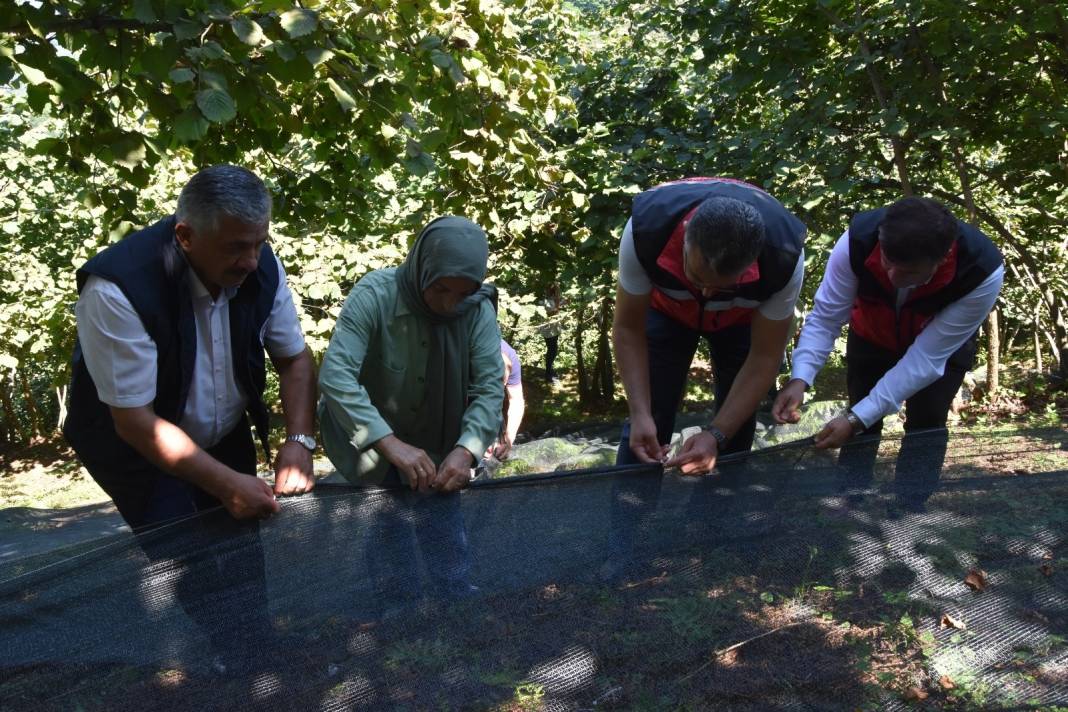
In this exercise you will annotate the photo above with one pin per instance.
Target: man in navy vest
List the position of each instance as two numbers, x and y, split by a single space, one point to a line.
169 366
168 371
915 284
712 258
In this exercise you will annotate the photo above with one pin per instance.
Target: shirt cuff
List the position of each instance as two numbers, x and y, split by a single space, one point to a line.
867 412
136 400
367 435
291 349
804 372
473 444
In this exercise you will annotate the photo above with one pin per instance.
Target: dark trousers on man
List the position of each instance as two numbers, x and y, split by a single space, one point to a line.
671 348
216 562
923 449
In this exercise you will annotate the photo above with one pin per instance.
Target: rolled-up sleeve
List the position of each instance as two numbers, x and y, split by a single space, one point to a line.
345 398
485 393
119 353
282 336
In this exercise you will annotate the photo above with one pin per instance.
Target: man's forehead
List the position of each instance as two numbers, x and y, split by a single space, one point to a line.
231 228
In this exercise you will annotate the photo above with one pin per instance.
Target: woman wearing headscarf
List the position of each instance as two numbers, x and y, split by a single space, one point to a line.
411 381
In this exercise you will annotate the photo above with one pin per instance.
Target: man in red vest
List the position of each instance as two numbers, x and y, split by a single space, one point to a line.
915 284
704 258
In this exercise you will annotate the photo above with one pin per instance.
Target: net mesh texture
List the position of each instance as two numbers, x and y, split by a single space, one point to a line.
915 571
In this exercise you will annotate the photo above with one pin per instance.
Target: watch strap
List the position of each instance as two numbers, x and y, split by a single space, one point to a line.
721 439
856 423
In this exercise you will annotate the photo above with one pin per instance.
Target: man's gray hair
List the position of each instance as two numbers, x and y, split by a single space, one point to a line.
223 191
728 232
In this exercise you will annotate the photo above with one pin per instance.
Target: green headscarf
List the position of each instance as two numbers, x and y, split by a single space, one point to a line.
449 246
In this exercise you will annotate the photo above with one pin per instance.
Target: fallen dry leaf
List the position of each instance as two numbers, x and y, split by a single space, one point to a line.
949 621
946 682
1046 569
916 694
976 579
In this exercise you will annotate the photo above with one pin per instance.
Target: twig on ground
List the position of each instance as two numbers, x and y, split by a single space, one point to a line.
729 648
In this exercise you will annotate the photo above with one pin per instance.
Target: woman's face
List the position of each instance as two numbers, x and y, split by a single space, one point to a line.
444 294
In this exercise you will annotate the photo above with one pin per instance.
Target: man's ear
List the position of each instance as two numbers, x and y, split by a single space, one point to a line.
184 234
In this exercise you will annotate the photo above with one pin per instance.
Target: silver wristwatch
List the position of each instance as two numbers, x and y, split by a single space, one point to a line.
306 440
856 423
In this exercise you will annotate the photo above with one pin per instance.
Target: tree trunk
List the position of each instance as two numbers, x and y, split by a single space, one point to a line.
580 358
31 407
61 397
11 417
1038 343
604 382
993 342
1006 348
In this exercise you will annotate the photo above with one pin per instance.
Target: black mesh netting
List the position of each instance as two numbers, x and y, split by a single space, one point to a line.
789 579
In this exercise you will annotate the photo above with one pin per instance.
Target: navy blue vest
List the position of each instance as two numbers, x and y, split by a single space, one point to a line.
151 271
875 316
658 211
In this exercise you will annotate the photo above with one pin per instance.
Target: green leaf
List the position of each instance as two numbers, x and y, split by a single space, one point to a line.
186 30
299 22
247 30
158 59
190 126
440 59
143 11
216 105
473 159
318 55
181 75
129 150
343 95
35 76
767 597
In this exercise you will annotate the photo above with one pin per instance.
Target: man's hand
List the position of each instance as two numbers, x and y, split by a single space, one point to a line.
248 497
787 407
412 462
293 473
698 455
455 471
835 433
643 442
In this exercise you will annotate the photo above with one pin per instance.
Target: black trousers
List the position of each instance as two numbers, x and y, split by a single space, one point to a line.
671 347
217 563
671 350
923 449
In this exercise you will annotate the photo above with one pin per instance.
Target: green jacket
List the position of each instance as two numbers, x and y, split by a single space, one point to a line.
373 379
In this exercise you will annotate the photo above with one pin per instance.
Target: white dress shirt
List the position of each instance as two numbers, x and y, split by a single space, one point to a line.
633 279
121 356
925 360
